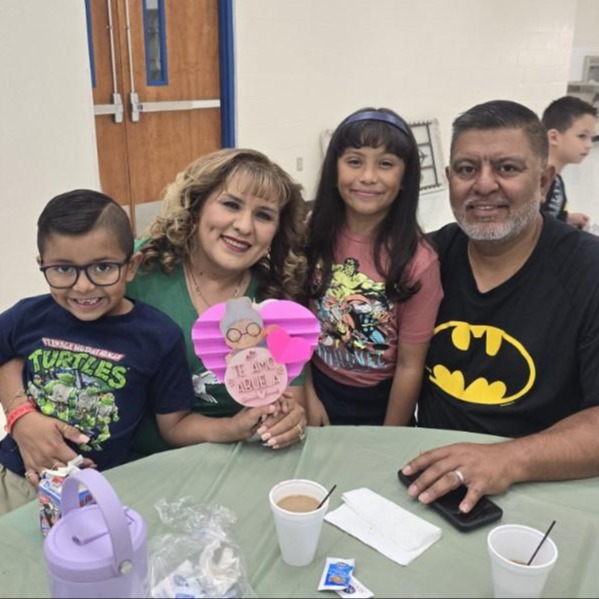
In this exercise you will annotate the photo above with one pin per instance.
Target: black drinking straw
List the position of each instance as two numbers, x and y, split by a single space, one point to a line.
326 497
542 541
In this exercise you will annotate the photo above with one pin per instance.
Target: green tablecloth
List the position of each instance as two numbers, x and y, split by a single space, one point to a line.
240 475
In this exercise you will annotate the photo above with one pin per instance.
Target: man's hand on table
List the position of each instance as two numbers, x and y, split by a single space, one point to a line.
484 469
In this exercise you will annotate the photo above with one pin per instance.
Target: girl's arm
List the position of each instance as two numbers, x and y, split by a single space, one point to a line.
317 415
407 381
418 321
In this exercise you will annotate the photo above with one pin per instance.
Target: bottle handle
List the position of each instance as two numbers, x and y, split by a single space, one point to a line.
112 511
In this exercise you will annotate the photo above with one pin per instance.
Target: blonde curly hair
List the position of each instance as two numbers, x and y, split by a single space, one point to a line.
172 234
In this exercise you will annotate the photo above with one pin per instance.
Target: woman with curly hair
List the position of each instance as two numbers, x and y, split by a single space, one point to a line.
230 226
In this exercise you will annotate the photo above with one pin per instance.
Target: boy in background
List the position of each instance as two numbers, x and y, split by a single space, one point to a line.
570 124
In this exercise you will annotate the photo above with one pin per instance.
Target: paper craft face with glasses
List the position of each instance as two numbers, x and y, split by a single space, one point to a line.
242 325
256 350
252 377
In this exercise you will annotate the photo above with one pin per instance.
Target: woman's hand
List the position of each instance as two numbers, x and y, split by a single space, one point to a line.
41 443
285 426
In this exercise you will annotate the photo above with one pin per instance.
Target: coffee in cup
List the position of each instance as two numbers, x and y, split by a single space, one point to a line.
298 503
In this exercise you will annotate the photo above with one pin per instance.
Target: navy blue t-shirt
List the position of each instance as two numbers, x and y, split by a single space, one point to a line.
99 376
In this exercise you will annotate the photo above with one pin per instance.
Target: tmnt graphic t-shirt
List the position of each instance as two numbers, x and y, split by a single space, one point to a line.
99 376
516 359
360 326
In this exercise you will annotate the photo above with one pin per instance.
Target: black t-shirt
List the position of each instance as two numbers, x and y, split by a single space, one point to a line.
519 358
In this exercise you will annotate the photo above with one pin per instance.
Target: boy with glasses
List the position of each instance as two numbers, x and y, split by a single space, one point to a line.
94 360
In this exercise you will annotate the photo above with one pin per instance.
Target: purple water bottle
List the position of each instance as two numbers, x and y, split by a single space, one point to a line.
98 550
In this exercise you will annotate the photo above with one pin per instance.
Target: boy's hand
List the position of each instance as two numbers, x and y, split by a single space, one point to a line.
578 220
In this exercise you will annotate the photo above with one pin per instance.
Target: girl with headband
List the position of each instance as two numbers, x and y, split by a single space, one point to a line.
375 283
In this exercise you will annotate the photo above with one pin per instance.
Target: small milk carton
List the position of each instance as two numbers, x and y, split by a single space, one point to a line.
49 493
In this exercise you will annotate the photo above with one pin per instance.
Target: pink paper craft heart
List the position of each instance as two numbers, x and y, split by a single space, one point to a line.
286 349
297 320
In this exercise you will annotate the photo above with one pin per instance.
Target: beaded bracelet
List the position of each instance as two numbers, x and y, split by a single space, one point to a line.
17 413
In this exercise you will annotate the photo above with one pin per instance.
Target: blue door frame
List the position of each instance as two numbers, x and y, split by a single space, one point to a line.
227 72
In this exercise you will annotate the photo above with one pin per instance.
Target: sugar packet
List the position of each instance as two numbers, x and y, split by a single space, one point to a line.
336 574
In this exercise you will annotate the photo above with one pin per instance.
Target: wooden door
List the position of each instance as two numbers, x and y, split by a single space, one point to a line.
160 59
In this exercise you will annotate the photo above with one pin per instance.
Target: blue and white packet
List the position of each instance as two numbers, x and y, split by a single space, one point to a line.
337 573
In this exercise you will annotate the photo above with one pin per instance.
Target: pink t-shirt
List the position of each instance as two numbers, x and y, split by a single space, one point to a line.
360 326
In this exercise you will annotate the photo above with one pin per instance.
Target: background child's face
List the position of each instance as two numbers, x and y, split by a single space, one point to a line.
85 300
369 180
575 142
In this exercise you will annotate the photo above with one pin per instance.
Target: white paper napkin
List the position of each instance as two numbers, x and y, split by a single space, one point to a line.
396 533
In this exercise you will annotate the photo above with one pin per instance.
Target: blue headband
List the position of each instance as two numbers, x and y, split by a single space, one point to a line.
377 115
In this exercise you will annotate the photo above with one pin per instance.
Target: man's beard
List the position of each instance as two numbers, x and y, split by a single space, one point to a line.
506 230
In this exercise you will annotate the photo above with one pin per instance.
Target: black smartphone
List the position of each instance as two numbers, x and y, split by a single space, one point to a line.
484 512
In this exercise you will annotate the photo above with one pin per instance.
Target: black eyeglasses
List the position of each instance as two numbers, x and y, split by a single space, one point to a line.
101 274
253 330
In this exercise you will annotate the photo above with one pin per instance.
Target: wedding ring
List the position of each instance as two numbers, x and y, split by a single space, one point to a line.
302 432
29 473
63 428
460 476
56 465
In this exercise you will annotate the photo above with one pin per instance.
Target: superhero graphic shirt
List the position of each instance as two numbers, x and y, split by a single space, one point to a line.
355 315
100 377
360 325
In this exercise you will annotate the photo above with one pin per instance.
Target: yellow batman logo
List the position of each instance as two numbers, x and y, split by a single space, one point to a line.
481 390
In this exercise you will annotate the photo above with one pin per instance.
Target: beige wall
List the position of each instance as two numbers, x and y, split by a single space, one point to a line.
587 23
47 137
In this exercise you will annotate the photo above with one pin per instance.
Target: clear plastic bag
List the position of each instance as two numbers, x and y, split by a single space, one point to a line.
198 557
